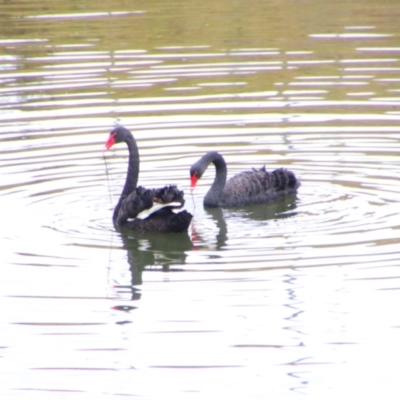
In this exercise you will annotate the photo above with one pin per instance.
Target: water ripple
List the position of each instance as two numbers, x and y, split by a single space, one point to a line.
344 150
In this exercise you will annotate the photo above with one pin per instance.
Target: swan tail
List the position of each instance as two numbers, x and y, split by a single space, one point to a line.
285 181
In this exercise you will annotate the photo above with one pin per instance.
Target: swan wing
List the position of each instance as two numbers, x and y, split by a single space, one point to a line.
259 186
142 202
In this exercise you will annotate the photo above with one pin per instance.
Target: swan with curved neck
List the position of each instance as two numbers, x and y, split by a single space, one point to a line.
255 186
136 200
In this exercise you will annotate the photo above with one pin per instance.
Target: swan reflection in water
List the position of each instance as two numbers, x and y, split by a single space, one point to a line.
280 209
153 251
256 215
167 252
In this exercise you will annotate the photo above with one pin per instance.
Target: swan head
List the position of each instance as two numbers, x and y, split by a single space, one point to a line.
117 135
196 172
198 168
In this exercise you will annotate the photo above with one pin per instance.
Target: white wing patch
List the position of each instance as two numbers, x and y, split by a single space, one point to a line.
156 206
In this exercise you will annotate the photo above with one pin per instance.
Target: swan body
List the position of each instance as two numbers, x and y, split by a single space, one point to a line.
142 209
255 186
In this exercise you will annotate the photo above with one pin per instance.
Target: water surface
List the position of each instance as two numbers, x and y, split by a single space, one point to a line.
291 300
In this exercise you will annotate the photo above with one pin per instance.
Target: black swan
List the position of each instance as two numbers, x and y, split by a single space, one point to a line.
248 187
138 200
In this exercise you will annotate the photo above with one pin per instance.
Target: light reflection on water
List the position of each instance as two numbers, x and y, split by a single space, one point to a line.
290 299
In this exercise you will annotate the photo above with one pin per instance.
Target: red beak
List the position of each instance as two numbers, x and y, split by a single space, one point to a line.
193 181
110 141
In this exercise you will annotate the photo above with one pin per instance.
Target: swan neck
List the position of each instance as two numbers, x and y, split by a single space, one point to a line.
213 196
132 174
